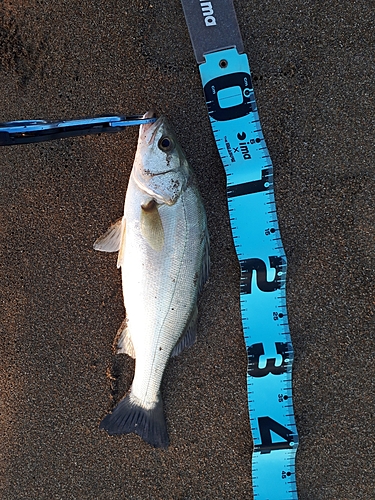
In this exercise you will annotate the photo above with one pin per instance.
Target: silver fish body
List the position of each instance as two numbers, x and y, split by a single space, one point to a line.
163 252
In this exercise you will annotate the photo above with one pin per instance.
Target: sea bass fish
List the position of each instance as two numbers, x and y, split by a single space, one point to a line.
163 247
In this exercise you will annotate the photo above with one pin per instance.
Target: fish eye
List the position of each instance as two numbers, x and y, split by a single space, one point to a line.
165 144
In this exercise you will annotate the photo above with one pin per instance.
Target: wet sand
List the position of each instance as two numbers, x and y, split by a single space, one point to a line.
61 302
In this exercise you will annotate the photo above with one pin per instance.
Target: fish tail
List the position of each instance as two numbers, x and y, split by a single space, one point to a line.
130 417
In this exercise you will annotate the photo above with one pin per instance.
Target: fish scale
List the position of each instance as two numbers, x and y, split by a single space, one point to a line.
153 357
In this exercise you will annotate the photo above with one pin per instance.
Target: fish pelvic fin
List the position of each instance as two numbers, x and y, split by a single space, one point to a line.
123 343
152 226
129 417
111 239
120 258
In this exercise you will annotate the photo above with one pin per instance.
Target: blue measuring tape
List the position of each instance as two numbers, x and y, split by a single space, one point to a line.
234 118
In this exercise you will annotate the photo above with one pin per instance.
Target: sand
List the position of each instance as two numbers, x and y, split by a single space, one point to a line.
61 302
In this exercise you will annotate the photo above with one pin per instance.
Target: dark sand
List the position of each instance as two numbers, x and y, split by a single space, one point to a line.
61 302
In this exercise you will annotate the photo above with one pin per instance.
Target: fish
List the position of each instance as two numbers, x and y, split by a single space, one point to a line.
163 251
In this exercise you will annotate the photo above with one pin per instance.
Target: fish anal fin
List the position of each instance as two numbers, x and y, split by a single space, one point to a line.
123 343
128 416
189 336
151 225
111 239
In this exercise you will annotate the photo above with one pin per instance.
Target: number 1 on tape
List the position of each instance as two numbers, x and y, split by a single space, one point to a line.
232 109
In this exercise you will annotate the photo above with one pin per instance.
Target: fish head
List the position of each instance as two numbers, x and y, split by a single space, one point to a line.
160 167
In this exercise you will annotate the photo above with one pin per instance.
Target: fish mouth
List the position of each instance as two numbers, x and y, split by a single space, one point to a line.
144 129
150 114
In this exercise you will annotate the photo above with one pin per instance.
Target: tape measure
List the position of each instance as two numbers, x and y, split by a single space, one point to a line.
234 118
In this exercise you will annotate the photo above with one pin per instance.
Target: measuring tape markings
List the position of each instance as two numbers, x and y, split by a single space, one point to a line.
252 210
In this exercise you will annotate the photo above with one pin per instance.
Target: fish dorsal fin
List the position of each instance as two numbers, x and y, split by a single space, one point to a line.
123 341
110 240
121 253
151 225
189 336
205 270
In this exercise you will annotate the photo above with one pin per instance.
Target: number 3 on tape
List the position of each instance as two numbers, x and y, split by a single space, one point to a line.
235 123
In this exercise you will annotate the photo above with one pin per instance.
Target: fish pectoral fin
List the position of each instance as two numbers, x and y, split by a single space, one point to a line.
120 258
189 336
110 240
151 225
123 342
